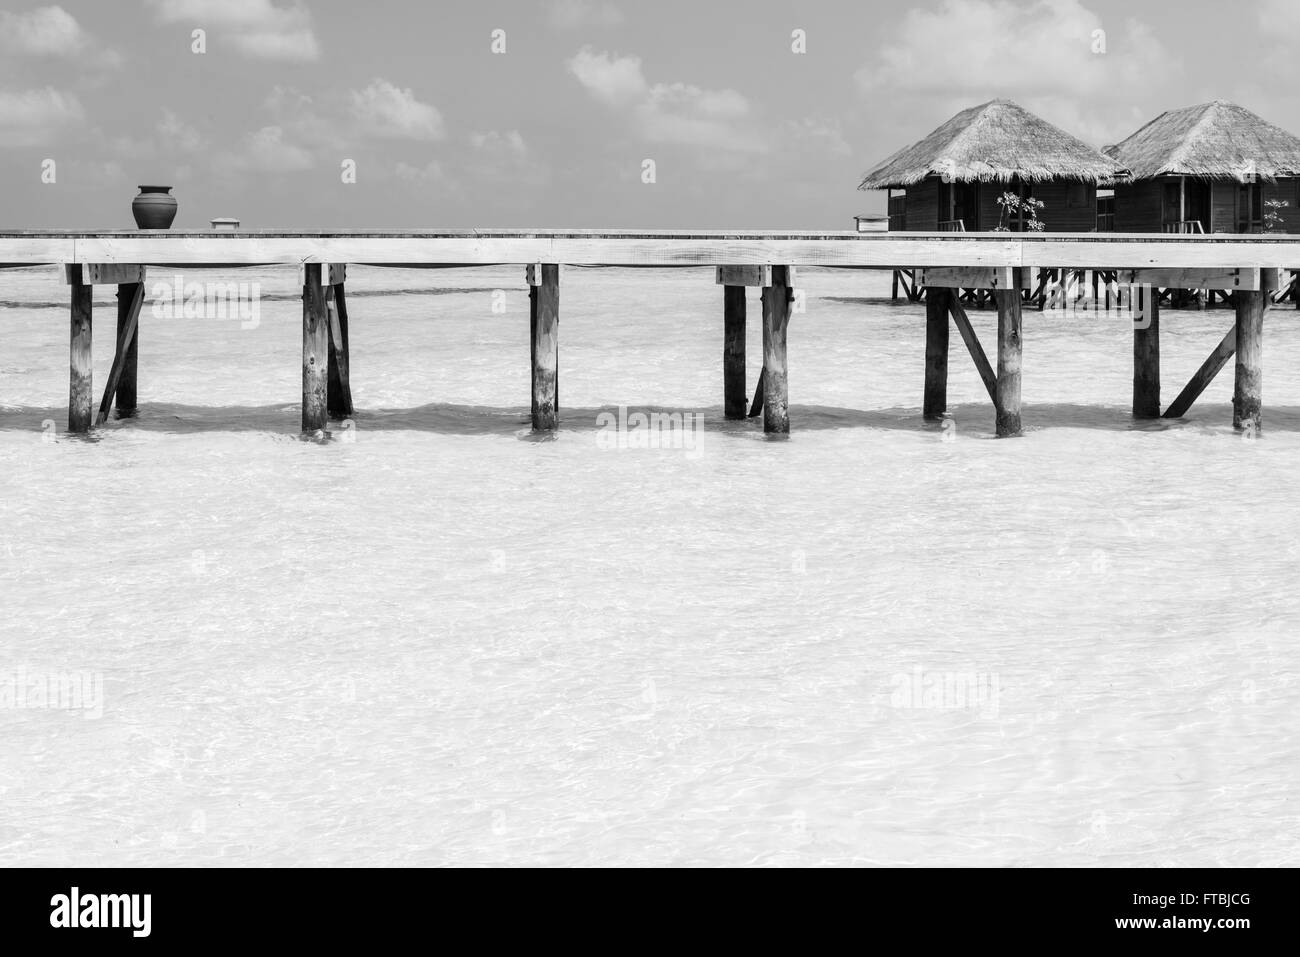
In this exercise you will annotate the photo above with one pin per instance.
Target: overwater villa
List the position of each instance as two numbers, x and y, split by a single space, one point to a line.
1212 168
951 180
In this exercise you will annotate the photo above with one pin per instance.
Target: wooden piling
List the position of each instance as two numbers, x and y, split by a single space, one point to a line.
544 309
339 385
756 407
776 318
938 301
962 322
1248 385
315 350
733 352
81 397
1203 376
1007 404
1146 352
130 299
124 356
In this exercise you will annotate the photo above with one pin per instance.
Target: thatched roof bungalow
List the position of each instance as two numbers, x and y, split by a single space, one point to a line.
951 179
1211 168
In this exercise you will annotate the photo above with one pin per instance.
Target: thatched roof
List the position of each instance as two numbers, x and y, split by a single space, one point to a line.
998 141
1218 140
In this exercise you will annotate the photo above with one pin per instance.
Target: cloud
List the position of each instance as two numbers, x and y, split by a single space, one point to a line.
52 32
268 151
502 158
295 113
173 132
431 174
287 102
506 144
577 14
613 81
44 31
676 113
817 135
1039 52
385 110
256 28
33 117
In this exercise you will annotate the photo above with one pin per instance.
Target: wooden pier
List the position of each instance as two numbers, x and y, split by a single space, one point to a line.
1007 265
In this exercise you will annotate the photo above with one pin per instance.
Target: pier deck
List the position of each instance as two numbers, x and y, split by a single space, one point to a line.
1004 263
612 247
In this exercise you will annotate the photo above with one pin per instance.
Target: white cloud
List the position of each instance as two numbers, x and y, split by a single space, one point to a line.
256 28
287 102
52 32
382 109
175 133
614 81
817 135
677 113
1038 52
33 117
577 14
510 143
266 150
44 31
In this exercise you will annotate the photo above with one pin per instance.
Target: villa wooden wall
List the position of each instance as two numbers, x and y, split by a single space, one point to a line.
1286 190
1223 208
1138 207
923 214
1058 217
923 207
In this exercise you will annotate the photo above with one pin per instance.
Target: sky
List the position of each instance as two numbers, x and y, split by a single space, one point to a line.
571 113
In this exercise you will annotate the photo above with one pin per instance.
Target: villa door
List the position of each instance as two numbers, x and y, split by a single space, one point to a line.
965 205
1197 205
959 206
1250 208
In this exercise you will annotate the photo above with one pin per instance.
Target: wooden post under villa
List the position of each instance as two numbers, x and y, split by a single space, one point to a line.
1146 351
733 352
962 322
315 351
81 399
339 386
124 356
544 318
130 300
1248 384
776 318
1203 376
1009 341
938 300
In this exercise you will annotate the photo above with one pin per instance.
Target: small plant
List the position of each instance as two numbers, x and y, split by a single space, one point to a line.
1273 222
1022 208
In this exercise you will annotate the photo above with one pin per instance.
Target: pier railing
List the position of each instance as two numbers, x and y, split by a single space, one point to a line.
1003 264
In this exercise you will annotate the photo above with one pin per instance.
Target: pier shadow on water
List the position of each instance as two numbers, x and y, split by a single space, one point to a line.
974 419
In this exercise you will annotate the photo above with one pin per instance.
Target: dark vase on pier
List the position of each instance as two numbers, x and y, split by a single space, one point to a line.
154 208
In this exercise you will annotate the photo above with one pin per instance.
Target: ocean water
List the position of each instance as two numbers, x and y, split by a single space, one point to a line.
435 639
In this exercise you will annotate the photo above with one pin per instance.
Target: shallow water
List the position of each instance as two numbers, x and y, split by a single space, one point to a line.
436 640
